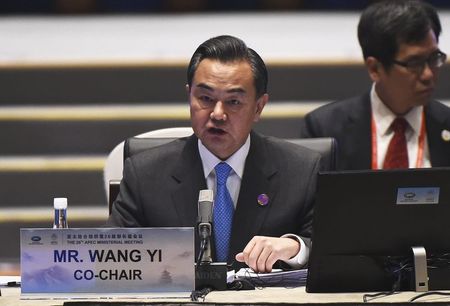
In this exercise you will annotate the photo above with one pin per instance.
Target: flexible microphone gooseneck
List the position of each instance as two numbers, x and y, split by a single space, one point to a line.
205 208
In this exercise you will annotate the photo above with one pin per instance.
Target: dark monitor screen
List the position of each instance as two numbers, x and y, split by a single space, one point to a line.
365 223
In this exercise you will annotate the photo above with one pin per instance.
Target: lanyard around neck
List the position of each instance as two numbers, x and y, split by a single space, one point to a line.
421 144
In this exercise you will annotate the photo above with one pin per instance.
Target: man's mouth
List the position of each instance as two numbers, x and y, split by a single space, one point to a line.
427 90
216 131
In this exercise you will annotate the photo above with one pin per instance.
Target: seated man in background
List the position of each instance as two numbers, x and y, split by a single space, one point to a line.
264 187
396 124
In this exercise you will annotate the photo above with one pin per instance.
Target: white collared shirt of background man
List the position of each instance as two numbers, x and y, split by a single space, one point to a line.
384 117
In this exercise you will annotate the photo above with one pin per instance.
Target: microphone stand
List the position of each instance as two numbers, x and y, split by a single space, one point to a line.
207 273
204 256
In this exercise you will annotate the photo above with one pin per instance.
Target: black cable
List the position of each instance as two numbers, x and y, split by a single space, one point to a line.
369 296
429 293
281 280
401 267
197 295
201 251
395 267
241 284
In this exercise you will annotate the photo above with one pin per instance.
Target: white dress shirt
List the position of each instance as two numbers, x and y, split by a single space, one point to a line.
384 117
237 163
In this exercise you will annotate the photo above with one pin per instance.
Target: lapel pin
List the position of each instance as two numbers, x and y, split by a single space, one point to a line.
445 135
263 199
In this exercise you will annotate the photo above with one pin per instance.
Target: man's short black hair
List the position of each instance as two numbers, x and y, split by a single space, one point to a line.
225 49
385 25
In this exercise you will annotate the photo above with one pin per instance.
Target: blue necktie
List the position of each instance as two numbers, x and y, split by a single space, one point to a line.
223 213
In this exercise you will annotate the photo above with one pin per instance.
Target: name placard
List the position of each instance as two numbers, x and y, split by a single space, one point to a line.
107 262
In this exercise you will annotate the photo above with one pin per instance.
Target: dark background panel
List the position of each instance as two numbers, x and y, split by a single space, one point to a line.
92 85
166 84
38 188
27 138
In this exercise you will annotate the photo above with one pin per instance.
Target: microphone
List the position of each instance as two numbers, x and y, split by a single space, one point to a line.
208 275
205 208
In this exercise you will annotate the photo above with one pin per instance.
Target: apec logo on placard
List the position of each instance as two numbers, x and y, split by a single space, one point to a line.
409 195
35 240
418 195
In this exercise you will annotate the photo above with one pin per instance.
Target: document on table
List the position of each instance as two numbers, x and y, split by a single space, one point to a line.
276 278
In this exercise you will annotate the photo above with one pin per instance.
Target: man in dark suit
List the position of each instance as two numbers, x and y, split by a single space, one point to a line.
270 184
399 41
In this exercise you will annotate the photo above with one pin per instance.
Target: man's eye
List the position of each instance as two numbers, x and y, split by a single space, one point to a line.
234 102
206 99
415 63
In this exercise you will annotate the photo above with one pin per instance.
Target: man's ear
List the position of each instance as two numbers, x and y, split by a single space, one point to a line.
188 92
260 103
374 68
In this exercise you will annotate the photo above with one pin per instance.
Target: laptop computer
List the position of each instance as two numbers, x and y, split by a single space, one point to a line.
365 223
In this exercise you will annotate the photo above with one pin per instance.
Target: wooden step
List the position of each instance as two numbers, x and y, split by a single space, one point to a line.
57 130
35 181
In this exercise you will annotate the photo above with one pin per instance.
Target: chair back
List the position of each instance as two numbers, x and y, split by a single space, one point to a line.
112 172
136 145
327 147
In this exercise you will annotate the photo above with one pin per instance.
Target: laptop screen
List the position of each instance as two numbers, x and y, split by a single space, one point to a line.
365 223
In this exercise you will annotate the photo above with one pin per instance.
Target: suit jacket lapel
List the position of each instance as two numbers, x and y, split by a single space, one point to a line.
259 178
188 181
358 135
435 122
